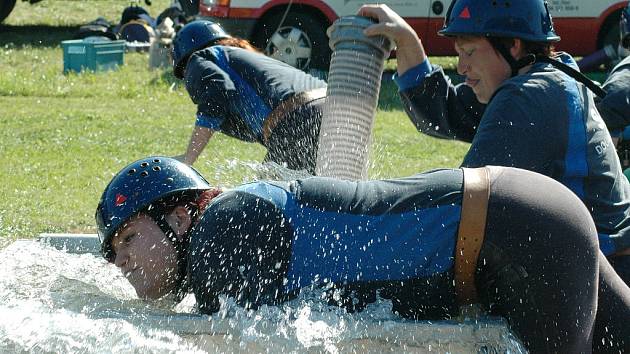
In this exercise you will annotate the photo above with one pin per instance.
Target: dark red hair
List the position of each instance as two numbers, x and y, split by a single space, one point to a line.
238 43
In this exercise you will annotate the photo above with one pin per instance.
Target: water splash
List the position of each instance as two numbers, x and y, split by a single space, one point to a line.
250 171
53 302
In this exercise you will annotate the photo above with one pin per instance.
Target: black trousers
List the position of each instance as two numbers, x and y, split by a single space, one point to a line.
293 142
621 264
541 268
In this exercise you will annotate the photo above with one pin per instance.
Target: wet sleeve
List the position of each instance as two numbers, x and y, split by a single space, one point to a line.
240 248
211 89
516 132
440 109
414 76
615 107
206 121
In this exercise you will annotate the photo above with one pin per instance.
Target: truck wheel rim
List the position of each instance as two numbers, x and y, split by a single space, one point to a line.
290 45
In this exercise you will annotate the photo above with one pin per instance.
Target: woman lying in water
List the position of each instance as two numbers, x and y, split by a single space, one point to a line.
420 241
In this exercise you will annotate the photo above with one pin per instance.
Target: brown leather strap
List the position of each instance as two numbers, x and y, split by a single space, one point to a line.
472 227
625 252
287 106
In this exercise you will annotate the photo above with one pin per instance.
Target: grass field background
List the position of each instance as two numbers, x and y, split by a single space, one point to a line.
62 137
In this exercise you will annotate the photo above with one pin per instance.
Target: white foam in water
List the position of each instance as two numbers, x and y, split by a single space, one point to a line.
73 243
52 301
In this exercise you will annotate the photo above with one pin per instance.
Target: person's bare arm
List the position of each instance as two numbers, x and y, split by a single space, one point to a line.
198 141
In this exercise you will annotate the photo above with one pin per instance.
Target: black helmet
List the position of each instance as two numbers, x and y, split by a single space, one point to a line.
191 38
136 187
132 13
528 20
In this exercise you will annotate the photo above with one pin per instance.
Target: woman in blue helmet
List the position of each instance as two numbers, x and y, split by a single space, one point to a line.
416 241
247 95
539 112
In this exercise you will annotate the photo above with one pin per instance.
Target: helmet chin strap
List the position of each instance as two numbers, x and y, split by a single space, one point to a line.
529 59
181 247
515 65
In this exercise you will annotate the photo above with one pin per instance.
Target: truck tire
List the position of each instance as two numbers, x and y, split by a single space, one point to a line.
190 7
6 6
611 35
300 41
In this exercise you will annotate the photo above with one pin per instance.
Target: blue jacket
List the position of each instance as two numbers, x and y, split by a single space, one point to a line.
236 89
320 231
543 121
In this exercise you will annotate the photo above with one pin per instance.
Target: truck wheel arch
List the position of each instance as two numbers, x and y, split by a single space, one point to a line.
316 7
608 25
273 13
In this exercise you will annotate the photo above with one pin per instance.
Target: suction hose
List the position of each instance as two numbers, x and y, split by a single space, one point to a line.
354 82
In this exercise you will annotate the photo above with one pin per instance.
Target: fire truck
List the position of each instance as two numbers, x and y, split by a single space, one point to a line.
294 31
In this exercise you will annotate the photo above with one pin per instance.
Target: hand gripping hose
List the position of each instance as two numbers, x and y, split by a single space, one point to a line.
354 82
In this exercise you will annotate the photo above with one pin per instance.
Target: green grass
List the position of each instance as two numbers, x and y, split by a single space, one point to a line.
62 137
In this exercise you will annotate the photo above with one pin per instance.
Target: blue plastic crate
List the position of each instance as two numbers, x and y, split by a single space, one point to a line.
92 55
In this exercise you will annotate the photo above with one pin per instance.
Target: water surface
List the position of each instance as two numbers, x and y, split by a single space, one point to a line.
52 301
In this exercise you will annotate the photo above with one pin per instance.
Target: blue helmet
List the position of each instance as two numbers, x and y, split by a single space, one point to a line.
524 19
192 37
136 187
624 27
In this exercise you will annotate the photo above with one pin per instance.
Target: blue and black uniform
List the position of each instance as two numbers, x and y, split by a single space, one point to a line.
543 121
262 242
236 90
615 110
